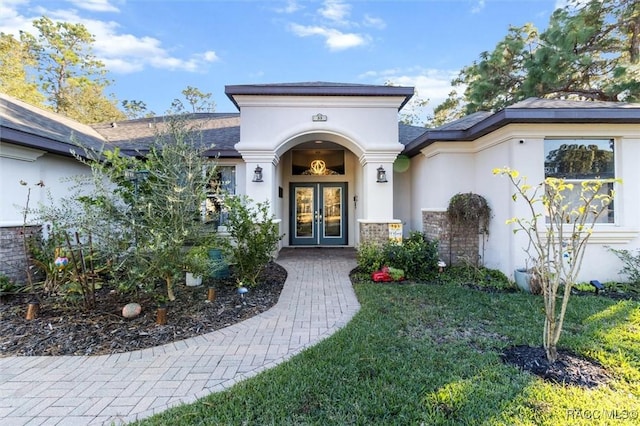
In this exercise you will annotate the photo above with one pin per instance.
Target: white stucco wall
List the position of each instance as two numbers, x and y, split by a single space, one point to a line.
367 127
503 250
32 166
402 185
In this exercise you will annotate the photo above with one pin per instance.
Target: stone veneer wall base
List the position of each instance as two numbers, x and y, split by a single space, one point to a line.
13 263
460 245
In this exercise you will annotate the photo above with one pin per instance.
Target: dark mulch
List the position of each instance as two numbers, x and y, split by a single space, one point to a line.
569 369
63 330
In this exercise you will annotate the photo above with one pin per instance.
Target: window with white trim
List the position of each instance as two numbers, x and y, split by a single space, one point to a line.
223 185
578 160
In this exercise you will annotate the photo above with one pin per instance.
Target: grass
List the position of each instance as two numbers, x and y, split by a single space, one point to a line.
430 354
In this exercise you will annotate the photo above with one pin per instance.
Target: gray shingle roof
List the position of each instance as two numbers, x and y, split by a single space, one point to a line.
540 103
407 133
28 125
466 122
217 129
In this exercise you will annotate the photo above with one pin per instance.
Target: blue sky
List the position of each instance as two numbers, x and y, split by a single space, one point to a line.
156 48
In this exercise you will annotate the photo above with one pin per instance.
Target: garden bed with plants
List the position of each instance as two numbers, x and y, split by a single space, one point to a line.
133 243
64 329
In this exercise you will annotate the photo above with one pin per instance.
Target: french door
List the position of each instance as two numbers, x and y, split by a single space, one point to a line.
318 214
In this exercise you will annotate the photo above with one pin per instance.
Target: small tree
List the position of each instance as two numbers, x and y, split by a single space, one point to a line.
152 204
558 243
167 213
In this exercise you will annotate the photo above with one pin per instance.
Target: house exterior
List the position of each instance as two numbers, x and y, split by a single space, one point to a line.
338 169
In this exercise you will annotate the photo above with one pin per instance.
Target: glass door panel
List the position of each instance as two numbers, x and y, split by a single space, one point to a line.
318 214
304 212
332 208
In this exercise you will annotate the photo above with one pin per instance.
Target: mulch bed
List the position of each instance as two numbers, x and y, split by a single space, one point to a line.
569 369
60 329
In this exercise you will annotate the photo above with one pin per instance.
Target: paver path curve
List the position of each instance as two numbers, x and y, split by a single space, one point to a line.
317 300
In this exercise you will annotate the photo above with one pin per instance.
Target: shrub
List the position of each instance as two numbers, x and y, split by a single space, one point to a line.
470 210
370 257
631 264
6 286
254 237
416 256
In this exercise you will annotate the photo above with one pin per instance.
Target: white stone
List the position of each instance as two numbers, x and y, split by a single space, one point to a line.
131 310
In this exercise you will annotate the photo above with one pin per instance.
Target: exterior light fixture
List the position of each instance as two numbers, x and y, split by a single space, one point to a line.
257 174
136 176
382 175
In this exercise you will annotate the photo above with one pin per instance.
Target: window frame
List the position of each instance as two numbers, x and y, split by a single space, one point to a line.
612 216
216 195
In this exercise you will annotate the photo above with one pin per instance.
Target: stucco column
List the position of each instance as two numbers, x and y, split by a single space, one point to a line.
266 189
377 201
377 197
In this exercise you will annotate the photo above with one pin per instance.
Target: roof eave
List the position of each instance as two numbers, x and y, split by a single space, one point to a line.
48 145
292 90
525 116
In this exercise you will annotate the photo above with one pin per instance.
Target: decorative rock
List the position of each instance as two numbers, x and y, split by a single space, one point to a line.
131 310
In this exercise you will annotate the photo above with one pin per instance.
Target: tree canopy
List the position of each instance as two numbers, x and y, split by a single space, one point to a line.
14 80
70 76
589 51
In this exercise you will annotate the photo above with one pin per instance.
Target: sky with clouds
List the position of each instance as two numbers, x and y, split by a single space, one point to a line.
154 49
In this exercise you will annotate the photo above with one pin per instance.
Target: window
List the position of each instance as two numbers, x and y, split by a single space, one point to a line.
223 185
318 162
578 160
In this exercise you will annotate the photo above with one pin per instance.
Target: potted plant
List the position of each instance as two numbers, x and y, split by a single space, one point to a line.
526 280
197 265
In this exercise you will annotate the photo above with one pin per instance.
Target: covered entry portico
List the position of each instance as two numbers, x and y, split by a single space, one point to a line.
320 146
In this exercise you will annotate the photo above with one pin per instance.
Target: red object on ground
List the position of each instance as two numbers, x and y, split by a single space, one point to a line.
381 276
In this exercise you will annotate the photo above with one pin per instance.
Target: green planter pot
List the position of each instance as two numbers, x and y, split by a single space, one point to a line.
221 269
523 279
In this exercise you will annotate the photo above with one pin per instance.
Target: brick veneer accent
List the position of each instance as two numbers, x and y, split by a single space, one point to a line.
456 246
12 259
374 232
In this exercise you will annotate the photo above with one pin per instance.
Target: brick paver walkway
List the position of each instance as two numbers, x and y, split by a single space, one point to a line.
317 300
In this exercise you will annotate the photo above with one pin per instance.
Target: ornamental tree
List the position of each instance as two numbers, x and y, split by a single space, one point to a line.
558 228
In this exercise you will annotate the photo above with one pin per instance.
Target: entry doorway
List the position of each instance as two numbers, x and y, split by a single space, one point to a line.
318 213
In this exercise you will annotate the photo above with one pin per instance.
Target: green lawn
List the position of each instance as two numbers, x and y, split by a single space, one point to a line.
430 354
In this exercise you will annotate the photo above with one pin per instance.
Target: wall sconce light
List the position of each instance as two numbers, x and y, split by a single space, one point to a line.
257 174
382 175
136 175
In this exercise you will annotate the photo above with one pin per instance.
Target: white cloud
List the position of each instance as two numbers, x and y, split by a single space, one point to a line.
291 7
432 84
330 23
95 5
209 56
11 22
334 39
478 6
371 21
335 10
120 52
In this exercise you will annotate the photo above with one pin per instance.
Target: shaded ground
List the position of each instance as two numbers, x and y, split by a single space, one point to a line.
62 330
